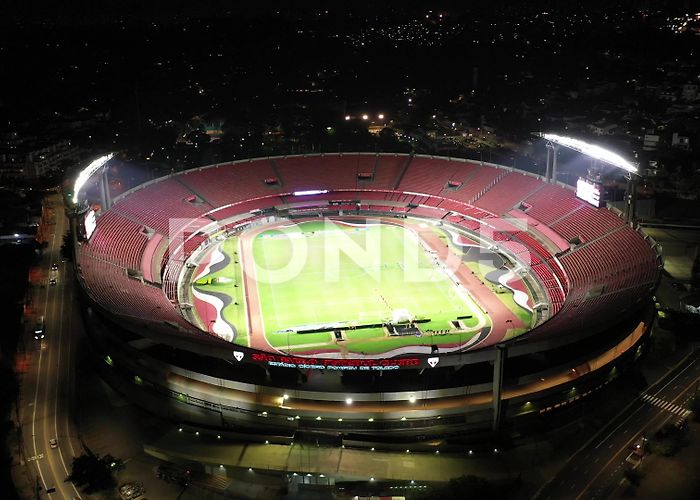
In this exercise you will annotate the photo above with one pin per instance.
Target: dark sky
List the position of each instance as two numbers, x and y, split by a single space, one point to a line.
90 11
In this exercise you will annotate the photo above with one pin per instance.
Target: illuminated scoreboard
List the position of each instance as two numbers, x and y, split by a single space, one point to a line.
90 223
590 192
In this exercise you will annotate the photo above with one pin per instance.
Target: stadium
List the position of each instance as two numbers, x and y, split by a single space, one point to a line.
358 296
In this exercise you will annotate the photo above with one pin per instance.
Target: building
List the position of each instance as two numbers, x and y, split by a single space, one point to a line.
166 347
602 128
32 158
680 142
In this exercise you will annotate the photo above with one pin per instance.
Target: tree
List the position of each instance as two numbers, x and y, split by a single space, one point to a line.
695 277
668 440
695 406
94 473
633 476
67 246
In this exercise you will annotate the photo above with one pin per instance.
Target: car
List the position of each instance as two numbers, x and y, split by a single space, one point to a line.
54 267
53 443
40 329
634 460
678 286
132 490
52 282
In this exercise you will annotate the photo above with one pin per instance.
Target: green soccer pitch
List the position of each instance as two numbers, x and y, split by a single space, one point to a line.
321 274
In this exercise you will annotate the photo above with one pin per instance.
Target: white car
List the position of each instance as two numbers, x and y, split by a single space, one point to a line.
53 443
634 460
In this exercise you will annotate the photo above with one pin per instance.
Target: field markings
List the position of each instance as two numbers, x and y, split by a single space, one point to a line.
250 284
244 296
440 291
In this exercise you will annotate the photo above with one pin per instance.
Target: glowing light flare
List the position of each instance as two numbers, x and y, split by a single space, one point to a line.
310 192
592 150
87 172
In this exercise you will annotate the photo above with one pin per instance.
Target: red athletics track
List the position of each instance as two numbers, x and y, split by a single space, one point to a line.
502 318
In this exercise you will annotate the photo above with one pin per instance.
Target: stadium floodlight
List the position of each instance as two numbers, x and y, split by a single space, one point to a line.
310 192
87 172
592 150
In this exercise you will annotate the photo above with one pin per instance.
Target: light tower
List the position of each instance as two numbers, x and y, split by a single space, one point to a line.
597 154
552 151
77 208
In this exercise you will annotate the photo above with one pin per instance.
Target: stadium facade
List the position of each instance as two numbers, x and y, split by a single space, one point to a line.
136 254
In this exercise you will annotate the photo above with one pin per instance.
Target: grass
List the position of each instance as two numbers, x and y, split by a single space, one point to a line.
321 273
234 314
316 273
506 296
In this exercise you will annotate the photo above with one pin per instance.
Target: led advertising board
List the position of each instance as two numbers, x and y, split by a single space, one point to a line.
589 192
90 223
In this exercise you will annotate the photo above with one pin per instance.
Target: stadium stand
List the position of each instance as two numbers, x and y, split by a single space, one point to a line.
607 258
114 228
587 223
426 175
329 172
110 286
387 169
477 184
167 203
627 262
551 203
508 192
230 183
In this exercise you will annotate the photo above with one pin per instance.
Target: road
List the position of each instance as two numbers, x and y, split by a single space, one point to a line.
47 386
596 471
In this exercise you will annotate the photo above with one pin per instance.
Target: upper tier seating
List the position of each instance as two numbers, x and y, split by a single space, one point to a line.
229 183
431 176
387 172
162 206
301 173
508 192
627 262
587 223
551 203
118 240
110 286
476 184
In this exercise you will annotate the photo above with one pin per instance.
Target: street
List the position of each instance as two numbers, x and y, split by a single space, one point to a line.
46 388
597 469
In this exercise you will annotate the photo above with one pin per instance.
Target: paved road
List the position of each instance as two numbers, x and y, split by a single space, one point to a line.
48 384
596 470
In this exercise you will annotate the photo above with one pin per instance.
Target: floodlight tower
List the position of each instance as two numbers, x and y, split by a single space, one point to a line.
552 152
597 154
77 209
630 212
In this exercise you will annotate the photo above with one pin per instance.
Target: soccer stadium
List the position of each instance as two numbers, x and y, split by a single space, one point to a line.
358 295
